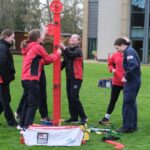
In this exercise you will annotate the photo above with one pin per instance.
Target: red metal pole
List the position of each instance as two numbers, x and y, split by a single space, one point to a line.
56 8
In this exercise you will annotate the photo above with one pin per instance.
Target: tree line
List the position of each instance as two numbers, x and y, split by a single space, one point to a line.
23 15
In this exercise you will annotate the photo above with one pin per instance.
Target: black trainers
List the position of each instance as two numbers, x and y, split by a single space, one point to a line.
14 124
123 130
83 121
104 121
72 120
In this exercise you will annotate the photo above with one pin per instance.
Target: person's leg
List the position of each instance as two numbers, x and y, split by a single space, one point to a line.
115 92
129 104
33 102
22 100
72 110
6 99
24 105
128 112
76 99
1 104
127 109
43 109
138 84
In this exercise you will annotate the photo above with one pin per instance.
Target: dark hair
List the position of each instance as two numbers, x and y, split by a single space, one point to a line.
6 32
33 35
121 41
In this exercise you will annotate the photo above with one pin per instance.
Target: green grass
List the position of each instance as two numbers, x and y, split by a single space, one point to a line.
95 101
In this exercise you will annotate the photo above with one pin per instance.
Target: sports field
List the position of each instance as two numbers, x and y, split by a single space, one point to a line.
95 101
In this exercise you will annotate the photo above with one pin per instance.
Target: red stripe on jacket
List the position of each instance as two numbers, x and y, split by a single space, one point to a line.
115 62
78 68
1 80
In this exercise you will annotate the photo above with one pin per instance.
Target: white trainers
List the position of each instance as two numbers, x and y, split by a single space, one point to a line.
19 127
17 116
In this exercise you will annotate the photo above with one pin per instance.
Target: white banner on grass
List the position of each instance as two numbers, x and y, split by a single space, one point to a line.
53 136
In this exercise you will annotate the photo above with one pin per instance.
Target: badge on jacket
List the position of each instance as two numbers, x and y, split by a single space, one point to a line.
129 57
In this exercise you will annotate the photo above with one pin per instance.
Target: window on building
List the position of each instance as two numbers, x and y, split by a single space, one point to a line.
138 5
137 25
137 20
91 47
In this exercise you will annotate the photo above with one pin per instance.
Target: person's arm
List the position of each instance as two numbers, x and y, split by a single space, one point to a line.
47 59
111 64
73 54
63 64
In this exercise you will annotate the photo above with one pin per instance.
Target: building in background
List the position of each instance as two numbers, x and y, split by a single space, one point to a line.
106 20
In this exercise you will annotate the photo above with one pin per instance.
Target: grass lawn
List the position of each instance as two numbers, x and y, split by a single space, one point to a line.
95 101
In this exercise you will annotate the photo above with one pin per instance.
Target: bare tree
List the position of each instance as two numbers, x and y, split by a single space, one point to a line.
26 14
71 16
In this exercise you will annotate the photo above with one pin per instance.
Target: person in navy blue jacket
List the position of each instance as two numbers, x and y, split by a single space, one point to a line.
73 63
132 83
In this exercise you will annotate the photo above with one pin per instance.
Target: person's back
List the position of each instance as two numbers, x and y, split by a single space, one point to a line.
131 63
115 62
7 71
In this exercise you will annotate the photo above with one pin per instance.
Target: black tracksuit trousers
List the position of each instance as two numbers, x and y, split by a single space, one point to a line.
75 106
5 100
115 92
42 98
31 102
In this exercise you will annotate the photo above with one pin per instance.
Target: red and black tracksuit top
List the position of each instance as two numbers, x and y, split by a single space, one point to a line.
7 68
116 62
34 57
73 63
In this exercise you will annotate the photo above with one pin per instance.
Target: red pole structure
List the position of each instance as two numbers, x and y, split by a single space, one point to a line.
56 7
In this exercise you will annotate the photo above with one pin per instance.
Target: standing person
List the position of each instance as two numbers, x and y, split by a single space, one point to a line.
115 67
35 57
73 62
43 108
7 74
132 83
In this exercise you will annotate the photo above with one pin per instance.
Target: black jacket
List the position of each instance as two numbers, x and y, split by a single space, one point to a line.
7 69
73 62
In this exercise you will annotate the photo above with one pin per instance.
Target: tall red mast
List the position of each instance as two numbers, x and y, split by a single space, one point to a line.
56 7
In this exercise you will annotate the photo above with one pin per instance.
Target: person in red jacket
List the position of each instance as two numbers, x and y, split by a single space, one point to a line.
34 57
73 63
115 66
